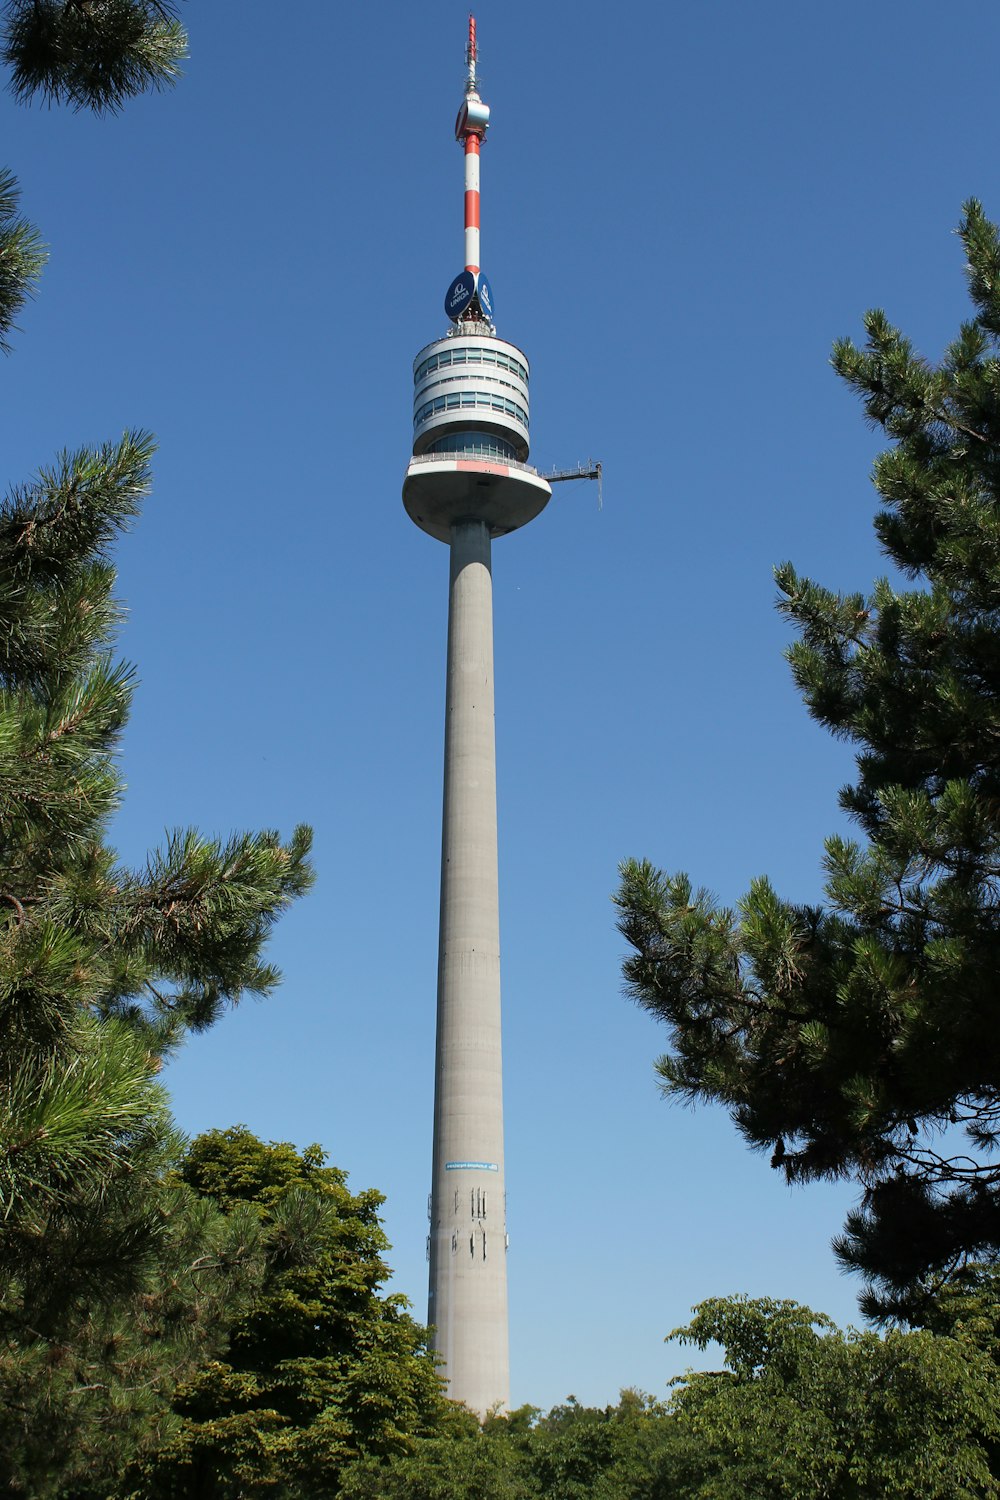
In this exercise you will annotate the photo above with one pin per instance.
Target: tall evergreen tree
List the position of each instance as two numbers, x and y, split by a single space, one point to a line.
102 968
859 1039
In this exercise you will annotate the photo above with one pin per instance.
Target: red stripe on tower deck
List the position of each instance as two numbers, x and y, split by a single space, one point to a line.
471 144
471 209
464 463
474 269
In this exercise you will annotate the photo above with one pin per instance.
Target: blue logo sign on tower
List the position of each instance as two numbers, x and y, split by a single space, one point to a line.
459 295
485 292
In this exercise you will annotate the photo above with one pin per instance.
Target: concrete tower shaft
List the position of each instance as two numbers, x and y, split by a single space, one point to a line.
468 1236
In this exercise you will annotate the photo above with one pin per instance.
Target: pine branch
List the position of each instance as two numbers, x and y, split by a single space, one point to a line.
22 256
91 54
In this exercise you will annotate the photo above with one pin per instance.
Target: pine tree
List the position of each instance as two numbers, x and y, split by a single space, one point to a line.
75 1412
102 968
21 257
859 1039
91 54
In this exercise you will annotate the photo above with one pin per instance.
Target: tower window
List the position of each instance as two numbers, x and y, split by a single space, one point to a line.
472 357
481 398
474 445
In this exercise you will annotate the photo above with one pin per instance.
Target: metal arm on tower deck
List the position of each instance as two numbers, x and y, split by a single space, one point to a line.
582 471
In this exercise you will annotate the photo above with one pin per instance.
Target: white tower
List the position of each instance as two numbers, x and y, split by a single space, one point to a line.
468 481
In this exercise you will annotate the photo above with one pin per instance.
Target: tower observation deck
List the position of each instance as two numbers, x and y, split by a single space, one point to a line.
467 482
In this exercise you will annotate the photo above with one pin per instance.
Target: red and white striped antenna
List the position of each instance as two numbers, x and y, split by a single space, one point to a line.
470 131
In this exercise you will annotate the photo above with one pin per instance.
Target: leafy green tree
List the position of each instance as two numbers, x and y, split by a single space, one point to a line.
463 1460
584 1453
965 1305
859 1039
803 1410
574 1452
320 1366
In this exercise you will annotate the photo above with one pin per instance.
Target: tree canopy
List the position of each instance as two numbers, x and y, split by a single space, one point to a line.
858 1038
320 1367
800 1409
803 1410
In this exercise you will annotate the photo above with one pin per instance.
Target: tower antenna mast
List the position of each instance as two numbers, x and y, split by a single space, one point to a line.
470 56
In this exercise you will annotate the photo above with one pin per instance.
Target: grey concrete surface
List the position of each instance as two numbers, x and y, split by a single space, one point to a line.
468 1272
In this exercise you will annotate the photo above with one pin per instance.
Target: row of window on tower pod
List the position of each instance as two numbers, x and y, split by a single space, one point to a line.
459 400
470 357
473 445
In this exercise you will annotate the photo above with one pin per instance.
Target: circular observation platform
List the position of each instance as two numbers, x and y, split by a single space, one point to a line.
442 488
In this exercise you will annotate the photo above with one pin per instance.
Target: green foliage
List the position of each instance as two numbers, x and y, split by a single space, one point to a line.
572 1453
803 1410
22 256
800 1410
858 1039
320 1367
114 1284
463 1462
232 1166
102 970
79 1403
253 1355
91 54
582 1453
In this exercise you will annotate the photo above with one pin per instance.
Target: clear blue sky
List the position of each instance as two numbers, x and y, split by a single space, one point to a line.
682 207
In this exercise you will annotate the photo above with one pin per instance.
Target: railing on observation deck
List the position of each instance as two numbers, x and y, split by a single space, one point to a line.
482 458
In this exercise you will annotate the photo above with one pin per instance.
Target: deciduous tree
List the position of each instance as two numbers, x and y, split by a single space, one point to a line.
805 1411
321 1367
